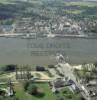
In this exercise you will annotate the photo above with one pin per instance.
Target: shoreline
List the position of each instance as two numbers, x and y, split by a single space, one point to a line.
57 36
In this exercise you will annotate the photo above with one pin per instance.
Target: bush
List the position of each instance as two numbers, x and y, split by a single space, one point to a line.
69 96
10 68
40 68
95 64
34 90
64 92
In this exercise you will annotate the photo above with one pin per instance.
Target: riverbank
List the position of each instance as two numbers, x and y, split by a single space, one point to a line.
22 36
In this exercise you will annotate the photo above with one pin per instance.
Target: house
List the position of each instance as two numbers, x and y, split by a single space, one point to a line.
92 83
59 83
10 91
89 67
73 86
90 91
6 28
6 92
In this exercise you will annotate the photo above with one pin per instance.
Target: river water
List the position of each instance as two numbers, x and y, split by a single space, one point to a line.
42 51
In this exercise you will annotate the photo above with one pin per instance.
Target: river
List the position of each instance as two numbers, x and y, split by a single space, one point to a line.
42 51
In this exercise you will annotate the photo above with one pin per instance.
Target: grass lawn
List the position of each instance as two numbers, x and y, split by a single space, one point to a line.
74 11
24 96
68 95
20 92
48 93
94 98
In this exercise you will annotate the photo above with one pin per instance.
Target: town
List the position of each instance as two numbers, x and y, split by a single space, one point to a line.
49 21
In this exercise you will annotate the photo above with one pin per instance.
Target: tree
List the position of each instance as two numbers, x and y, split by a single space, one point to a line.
39 68
93 71
16 72
28 73
2 94
26 84
10 67
32 89
51 66
79 98
87 76
95 64
76 73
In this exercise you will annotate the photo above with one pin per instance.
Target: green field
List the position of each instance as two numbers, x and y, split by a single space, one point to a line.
82 4
6 1
49 95
24 96
81 8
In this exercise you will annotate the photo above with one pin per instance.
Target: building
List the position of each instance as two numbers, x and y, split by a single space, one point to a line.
58 83
90 91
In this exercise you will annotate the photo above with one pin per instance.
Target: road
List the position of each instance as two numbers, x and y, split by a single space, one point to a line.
68 72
